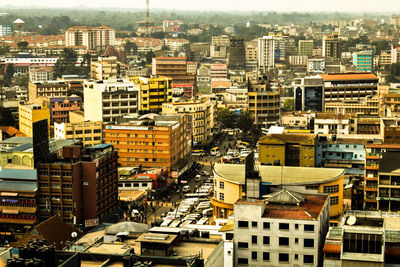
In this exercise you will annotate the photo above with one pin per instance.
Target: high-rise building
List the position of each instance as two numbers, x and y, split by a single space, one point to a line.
236 54
173 67
266 52
306 48
154 92
28 114
363 61
81 185
91 37
330 46
104 68
287 228
251 54
309 93
60 106
108 100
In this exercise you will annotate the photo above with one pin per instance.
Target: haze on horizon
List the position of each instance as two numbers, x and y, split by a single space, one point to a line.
221 5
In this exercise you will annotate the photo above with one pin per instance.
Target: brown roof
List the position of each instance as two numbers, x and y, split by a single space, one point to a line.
309 210
348 76
293 137
11 131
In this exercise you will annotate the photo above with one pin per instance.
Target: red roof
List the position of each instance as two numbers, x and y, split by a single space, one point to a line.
348 76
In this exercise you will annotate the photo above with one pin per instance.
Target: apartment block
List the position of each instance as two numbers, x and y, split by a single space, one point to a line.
349 86
40 73
363 61
151 141
28 114
305 48
389 182
316 65
90 37
336 124
108 100
330 46
385 58
287 149
104 68
266 52
287 228
90 133
47 89
60 107
154 92
218 71
251 55
173 67
81 185
308 93
369 106
202 115
236 54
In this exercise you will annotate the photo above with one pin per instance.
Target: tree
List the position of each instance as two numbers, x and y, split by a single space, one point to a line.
6 117
22 45
9 74
4 50
226 118
66 63
288 105
22 81
130 48
245 121
149 57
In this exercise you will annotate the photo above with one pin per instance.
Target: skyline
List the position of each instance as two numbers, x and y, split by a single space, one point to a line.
372 6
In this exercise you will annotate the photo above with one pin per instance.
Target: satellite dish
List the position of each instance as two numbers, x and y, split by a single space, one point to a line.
74 234
351 220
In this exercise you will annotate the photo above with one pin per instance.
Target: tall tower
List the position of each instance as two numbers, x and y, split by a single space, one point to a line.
18 24
147 19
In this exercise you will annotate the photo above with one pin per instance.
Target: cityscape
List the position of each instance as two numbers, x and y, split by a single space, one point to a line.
210 133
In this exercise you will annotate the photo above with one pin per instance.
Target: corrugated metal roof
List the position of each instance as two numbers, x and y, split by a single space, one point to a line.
22 147
17 140
17 186
18 174
279 174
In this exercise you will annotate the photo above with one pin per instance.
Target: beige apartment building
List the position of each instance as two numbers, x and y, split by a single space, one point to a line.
47 89
104 68
89 132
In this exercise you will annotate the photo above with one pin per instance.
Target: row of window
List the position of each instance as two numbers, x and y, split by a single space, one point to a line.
283 257
132 184
283 241
282 226
86 131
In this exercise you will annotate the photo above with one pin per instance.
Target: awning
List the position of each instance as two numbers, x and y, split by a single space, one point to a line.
9 194
130 195
10 211
332 248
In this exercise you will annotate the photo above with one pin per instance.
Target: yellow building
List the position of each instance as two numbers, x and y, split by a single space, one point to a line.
29 114
154 92
229 184
104 68
201 113
287 149
89 132
385 58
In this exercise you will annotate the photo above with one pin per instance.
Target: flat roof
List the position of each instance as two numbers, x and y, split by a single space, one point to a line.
12 186
18 174
17 140
348 76
166 239
277 175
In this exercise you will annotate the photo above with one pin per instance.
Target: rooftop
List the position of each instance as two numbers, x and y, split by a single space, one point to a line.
12 186
290 137
277 175
348 76
16 174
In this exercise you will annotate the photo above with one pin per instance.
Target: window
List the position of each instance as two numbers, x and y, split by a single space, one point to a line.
296 240
265 256
296 256
283 257
331 189
309 228
254 239
243 261
311 187
221 196
308 243
243 224
265 240
243 245
308 259
296 226
221 185
334 201
254 224
283 241
283 226
254 255
266 225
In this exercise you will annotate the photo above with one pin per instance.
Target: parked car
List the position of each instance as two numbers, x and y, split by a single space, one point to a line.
186 188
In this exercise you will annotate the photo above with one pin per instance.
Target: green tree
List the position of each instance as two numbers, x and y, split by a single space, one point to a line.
6 117
149 57
8 75
66 63
226 118
22 81
4 50
288 105
22 45
130 48
245 121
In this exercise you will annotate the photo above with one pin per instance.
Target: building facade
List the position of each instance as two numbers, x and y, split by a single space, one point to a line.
266 52
173 67
330 46
306 48
28 114
47 89
91 37
104 68
363 61
309 93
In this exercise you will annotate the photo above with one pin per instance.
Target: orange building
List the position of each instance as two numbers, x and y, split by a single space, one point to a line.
151 141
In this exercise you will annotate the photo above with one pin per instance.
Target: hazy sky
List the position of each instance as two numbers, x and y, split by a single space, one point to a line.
244 5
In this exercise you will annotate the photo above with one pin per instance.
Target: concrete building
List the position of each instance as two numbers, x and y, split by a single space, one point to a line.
316 65
18 199
287 150
230 182
108 100
394 53
151 141
266 52
349 86
390 130
173 67
220 40
218 71
389 182
47 89
287 228
251 55
264 102
154 92
202 116
385 58
298 61
5 30
308 93
369 106
335 124
91 37
80 186
28 114
40 73
363 61
297 120
363 238
306 48
104 68
90 133
60 106
236 54
330 46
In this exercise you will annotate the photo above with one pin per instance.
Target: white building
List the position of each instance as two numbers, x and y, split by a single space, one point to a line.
316 65
266 52
110 99
91 37
286 229
329 123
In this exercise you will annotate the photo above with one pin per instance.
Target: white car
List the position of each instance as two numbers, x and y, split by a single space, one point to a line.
197 178
186 188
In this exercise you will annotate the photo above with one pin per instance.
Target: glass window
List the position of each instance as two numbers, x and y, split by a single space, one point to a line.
243 244
254 255
334 201
243 261
308 259
283 257
243 224
309 227
283 226
254 224
266 225
308 243
283 241
266 256
254 239
265 240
